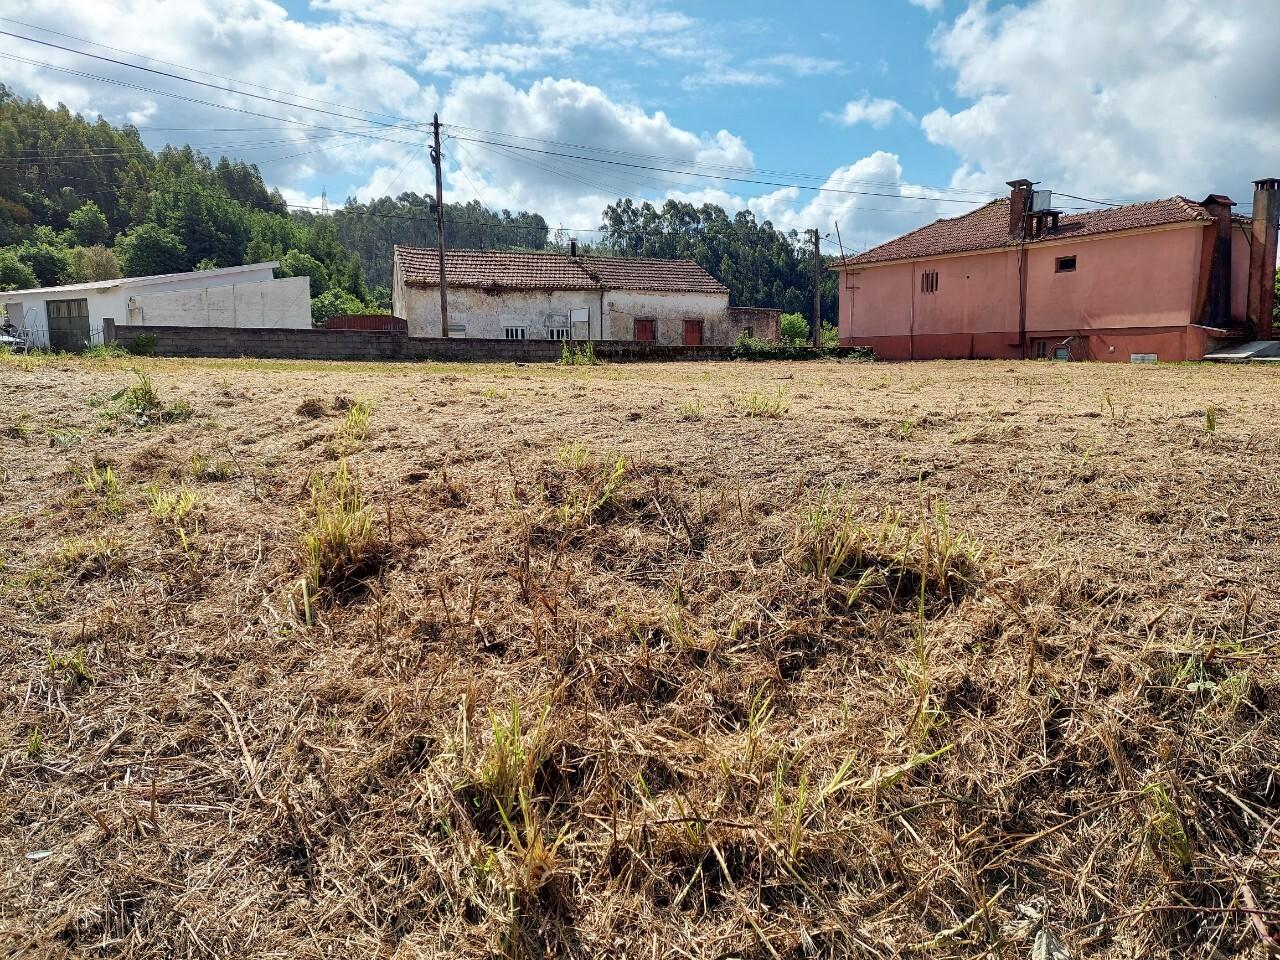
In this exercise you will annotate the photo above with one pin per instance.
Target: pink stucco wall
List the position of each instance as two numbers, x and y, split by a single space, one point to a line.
1239 274
1126 289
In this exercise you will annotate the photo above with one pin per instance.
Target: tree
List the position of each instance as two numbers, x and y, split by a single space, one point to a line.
89 225
14 274
93 263
295 263
49 263
151 249
333 303
211 226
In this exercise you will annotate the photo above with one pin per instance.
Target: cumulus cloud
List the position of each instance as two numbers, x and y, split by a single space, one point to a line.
870 200
1128 100
876 111
531 164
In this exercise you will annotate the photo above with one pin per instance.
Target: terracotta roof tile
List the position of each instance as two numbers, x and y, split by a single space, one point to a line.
987 228
502 270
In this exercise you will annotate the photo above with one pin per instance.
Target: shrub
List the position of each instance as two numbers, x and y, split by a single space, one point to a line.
14 274
143 345
333 303
793 327
93 263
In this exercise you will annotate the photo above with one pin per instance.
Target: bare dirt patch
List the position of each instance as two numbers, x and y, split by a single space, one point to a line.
771 660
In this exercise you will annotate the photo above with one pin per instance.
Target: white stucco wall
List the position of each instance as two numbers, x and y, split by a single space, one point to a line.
668 310
486 314
111 302
268 303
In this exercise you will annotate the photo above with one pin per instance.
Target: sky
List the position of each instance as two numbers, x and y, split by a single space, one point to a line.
901 111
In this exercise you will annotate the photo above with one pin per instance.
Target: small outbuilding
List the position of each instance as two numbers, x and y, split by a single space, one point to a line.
554 296
73 316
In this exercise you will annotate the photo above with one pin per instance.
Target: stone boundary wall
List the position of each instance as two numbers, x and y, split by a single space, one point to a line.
290 344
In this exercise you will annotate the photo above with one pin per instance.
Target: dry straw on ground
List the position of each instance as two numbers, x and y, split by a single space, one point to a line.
909 661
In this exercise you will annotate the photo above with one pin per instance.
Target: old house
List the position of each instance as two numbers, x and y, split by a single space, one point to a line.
553 296
71 316
1166 280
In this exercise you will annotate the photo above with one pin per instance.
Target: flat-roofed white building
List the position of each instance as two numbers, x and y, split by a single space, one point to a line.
72 316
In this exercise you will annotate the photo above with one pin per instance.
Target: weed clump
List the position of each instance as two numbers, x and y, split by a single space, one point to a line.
339 549
583 355
141 406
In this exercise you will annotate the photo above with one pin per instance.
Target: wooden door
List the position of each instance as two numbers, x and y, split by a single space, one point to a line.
692 333
645 329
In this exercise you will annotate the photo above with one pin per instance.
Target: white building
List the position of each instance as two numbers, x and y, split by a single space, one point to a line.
551 296
72 316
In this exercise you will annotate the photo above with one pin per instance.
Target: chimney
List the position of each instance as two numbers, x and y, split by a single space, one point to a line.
1019 207
1262 256
1217 302
573 246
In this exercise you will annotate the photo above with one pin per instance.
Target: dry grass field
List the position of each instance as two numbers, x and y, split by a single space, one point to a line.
645 661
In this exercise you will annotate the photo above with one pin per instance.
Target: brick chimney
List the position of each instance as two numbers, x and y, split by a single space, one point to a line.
1019 207
1217 302
573 246
1262 256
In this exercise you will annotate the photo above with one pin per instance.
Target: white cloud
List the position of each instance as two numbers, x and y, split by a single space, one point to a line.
876 111
931 5
868 198
1129 100
801 66
552 115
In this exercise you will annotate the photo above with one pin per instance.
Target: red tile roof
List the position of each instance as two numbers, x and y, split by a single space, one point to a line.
987 228
502 270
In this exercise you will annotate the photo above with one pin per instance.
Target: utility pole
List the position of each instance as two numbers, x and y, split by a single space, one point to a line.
817 290
444 286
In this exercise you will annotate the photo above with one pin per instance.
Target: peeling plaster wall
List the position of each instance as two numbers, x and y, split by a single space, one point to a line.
486 314
669 310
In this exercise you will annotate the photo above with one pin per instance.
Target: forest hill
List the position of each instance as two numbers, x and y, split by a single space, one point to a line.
88 201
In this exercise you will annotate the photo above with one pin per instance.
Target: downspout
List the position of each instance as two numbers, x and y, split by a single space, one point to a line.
911 329
602 313
1022 298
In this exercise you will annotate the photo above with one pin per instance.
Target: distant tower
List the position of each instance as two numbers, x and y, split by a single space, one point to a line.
324 202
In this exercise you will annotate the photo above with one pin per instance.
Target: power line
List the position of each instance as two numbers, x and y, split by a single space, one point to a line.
207 73
203 83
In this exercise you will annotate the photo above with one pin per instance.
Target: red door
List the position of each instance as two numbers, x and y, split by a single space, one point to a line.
644 329
692 333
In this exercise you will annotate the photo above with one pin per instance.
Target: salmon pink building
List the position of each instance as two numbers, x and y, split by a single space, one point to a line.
1167 280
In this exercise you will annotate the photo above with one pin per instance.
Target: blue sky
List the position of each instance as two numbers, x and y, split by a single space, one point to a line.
904 110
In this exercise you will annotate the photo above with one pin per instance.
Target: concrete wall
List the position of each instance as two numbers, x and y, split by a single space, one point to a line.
1136 292
486 314
669 311
268 303
312 344
110 302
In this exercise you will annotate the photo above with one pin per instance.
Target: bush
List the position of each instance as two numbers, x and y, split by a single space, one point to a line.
50 264
93 263
14 274
333 303
793 327
143 345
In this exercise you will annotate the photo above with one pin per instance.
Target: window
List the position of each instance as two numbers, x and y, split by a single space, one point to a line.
513 333
1062 353
1042 349
645 329
929 281
557 333
1065 265
67 309
457 329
